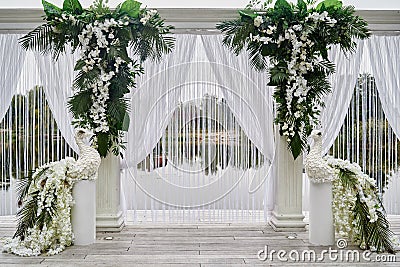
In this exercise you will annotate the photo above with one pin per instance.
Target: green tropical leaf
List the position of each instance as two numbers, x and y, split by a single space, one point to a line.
301 5
269 49
26 216
103 143
248 13
73 6
80 103
126 122
50 9
329 3
79 65
38 39
131 7
296 146
283 5
277 76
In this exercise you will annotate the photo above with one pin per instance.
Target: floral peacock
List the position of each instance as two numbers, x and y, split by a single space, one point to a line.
357 209
44 223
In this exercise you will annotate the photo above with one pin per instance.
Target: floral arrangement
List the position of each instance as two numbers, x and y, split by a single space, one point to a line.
105 71
366 224
292 41
46 224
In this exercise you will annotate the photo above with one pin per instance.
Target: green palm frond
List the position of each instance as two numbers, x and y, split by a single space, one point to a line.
235 33
80 103
377 234
257 60
26 216
23 186
117 110
40 39
83 79
152 41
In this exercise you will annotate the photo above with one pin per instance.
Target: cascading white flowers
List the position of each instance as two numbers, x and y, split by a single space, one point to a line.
105 71
299 65
95 38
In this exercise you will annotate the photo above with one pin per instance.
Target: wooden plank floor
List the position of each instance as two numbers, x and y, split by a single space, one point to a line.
185 245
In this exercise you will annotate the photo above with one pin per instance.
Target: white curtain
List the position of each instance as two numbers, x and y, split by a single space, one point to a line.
199 67
249 98
57 80
196 61
12 60
246 91
157 94
384 53
338 101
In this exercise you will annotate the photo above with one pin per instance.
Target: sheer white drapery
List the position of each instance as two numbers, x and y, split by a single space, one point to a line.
384 53
179 77
252 105
199 67
12 60
156 96
338 101
57 79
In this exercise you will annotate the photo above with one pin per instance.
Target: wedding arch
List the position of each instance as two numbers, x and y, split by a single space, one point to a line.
200 68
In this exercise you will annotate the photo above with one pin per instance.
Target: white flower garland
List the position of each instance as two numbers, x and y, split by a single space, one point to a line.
55 194
102 35
299 64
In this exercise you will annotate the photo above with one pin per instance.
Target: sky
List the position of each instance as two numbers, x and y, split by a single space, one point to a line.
359 4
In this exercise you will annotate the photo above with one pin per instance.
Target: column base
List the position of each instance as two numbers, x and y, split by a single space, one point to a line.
287 222
110 223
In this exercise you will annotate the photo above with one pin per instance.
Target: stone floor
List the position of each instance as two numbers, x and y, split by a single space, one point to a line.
195 245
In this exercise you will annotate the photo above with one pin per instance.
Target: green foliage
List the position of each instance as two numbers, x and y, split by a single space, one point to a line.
283 6
72 6
266 35
144 31
50 9
26 216
80 103
39 39
103 143
131 7
329 3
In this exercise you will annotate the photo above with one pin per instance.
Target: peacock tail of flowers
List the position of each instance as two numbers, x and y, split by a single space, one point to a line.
357 209
44 223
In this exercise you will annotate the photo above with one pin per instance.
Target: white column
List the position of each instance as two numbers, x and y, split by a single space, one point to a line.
321 231
83 213
287 214
109 216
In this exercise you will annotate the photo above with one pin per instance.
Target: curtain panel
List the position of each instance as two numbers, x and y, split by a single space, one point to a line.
12 60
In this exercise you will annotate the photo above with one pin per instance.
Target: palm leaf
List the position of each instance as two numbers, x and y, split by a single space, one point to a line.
151 41
38 39
80 103
26 216
23 186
